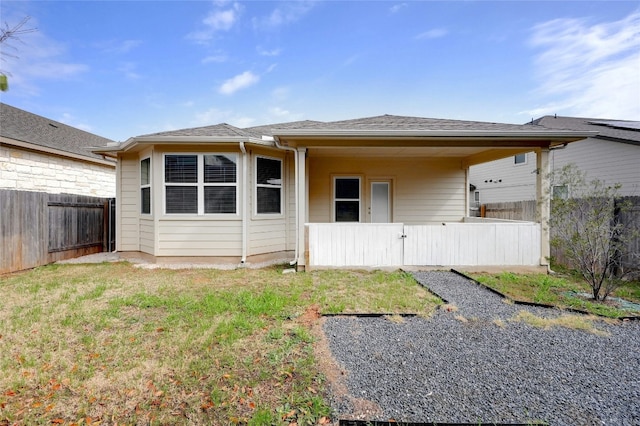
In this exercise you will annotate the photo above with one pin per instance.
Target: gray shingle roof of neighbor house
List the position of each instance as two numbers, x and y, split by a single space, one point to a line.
625 131
32 129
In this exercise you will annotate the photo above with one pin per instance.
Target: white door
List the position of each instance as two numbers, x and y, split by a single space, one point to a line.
380 202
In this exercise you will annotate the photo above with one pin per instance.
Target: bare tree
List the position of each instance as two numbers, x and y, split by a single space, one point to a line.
585 226
8 34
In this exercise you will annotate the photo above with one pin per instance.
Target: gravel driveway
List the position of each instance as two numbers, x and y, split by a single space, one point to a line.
464 366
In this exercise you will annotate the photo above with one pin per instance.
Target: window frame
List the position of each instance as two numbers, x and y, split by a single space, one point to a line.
555 192
200 184
265 185
146 186
335 199
515 159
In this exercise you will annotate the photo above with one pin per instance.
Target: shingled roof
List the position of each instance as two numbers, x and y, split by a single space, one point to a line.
377 123
23 126
624 131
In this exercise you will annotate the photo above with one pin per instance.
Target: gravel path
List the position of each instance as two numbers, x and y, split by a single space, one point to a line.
463 366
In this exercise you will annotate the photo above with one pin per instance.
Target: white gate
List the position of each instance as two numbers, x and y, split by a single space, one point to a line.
447 244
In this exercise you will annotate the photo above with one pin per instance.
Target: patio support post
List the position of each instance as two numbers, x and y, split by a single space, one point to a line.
543 203
301 205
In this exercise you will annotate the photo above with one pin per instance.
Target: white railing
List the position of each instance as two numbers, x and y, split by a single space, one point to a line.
473 243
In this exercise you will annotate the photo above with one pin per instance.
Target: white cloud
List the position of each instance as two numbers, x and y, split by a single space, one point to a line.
285 13
214 116
265 52
215 58
119 47
280 93
433 33
217 20
240 81
129 69
71 120
35 58
590 70
397 7
221 19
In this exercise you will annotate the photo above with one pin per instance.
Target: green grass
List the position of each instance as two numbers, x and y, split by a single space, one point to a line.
112 343
559 290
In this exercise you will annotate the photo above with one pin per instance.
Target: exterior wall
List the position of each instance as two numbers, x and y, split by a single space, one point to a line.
269 233
163 235
422 190
26 170
199 237
503 180
612 162
128 204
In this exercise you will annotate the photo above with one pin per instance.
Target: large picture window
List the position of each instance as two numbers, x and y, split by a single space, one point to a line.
268 185
347 199
145 186
200 183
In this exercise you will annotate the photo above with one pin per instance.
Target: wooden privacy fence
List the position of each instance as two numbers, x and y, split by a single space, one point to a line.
37 228
526 210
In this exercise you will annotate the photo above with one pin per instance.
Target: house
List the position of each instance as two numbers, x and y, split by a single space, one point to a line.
39 154
612 155
53 191
371 192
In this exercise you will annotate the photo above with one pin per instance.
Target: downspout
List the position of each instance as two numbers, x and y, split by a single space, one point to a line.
295 187
245 203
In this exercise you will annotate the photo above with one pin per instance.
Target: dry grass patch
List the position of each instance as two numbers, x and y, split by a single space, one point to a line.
574 322
118 344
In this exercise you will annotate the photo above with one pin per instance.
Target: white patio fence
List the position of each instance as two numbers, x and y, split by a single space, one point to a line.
478 242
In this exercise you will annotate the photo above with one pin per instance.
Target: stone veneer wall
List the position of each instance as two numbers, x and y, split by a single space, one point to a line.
24 170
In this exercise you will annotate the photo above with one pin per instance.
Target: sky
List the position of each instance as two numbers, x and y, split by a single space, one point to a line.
126 68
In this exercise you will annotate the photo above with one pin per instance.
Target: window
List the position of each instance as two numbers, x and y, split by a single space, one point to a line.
476 198
268 185
520 159
145 186
200 183
560 192
347 199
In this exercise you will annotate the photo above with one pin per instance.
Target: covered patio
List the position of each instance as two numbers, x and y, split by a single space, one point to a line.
394 191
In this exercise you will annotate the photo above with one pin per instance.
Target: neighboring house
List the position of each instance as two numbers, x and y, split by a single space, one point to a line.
378 191
54 192
612 155
43 155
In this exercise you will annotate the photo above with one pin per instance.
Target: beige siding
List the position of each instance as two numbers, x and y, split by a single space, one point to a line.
268 234
128 204
147 236
290 202
503 180
423 190
199 237
613 162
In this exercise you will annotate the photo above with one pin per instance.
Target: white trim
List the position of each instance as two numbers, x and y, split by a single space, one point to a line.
334 199
264 185
515 159
148 185
200 185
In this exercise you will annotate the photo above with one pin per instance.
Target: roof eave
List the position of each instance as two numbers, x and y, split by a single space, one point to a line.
435 133
134 142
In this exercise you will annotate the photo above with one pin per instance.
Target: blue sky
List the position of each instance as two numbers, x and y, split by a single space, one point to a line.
126 68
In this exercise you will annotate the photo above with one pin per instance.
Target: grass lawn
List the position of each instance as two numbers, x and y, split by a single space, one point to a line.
559 290
114 344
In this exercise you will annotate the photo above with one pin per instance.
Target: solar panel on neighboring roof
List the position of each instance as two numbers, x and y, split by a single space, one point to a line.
618 124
